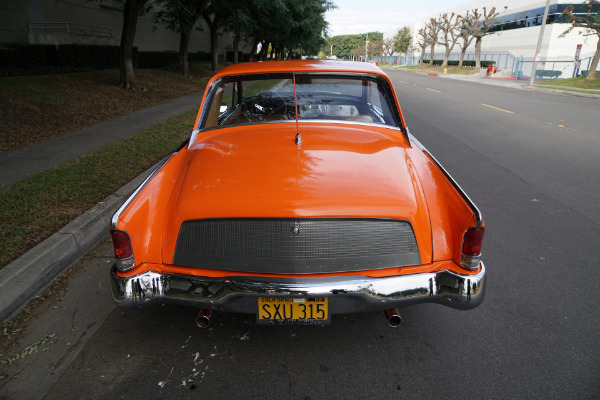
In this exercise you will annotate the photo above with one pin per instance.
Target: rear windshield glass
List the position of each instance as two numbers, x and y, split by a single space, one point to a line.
247 100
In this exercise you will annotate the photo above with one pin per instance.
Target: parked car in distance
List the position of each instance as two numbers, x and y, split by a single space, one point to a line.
299 195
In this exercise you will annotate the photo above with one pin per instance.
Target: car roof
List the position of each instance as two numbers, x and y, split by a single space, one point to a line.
300 66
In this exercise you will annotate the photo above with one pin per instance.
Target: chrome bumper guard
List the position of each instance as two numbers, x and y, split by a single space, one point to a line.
346 294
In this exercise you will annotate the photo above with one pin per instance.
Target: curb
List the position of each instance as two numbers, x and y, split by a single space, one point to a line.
24 278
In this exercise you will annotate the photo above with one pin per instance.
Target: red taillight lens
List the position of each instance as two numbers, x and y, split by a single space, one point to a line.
472 241
122 244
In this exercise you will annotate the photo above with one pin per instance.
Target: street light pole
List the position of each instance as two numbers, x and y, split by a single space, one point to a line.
367 48
331 52
539 44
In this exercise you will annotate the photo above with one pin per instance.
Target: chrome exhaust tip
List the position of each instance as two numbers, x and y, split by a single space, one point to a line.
393 317
203 318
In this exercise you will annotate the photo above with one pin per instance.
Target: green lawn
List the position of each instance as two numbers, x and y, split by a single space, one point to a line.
579 84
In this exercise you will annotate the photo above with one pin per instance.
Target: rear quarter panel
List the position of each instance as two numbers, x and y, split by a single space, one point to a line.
449 213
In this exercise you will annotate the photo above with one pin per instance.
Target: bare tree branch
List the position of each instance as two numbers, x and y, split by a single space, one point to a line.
449 26
590 21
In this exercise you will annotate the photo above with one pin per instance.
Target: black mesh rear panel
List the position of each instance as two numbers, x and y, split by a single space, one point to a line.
305 245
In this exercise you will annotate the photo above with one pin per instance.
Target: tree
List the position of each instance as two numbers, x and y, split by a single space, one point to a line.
238 22
287 26
181 16
449 26
344 45
422 42
376 48
402 40
485 22
308 25
214 13
591 22
470 23
433 32
358 51
388 47
131 11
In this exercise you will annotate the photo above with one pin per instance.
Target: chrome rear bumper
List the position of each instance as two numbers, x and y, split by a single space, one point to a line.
346 295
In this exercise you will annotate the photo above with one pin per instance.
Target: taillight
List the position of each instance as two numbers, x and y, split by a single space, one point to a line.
123 250
471 248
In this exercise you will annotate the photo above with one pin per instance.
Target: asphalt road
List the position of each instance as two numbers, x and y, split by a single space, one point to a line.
528 160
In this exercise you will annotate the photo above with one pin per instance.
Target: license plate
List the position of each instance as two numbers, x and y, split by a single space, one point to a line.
293 311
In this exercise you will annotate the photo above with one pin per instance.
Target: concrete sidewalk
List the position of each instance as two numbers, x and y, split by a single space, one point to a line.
25 277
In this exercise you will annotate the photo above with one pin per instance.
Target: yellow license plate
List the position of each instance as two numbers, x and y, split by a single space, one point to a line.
293 311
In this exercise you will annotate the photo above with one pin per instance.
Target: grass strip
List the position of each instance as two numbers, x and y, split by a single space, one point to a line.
569 89
35 208
574 83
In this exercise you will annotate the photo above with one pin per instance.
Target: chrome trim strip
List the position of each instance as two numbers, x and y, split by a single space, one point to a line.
346 294
115 217
478 216
337 121
300 122
193 138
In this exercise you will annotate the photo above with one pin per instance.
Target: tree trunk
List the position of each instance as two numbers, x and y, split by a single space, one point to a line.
236 43
446 56
214 49
253 56
422 55
431 55
130 14
184 43
213 25
594 65
478 53
462 57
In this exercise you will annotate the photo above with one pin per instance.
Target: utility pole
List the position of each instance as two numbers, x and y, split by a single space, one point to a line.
539 44
367 48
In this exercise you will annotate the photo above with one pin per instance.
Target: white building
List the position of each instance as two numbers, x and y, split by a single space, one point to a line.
519 29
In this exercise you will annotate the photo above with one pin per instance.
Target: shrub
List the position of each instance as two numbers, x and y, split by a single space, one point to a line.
466 63
29 56
79 56
542 73
46 58
156 59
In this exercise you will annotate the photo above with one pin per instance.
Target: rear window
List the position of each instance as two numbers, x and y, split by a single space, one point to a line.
250 99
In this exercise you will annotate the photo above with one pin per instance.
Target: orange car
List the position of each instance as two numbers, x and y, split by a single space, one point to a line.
300 194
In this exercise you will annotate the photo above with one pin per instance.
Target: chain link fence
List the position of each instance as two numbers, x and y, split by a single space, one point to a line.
519 67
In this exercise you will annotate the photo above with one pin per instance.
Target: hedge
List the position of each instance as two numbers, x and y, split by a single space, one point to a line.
586 71
32 59
29 56
542 73
466 63
79 56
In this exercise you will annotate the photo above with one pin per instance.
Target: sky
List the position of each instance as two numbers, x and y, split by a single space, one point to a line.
360 16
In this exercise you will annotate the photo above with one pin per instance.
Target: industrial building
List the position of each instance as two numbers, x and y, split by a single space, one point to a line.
93 22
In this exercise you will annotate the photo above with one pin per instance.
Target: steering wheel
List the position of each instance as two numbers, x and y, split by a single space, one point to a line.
268 103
